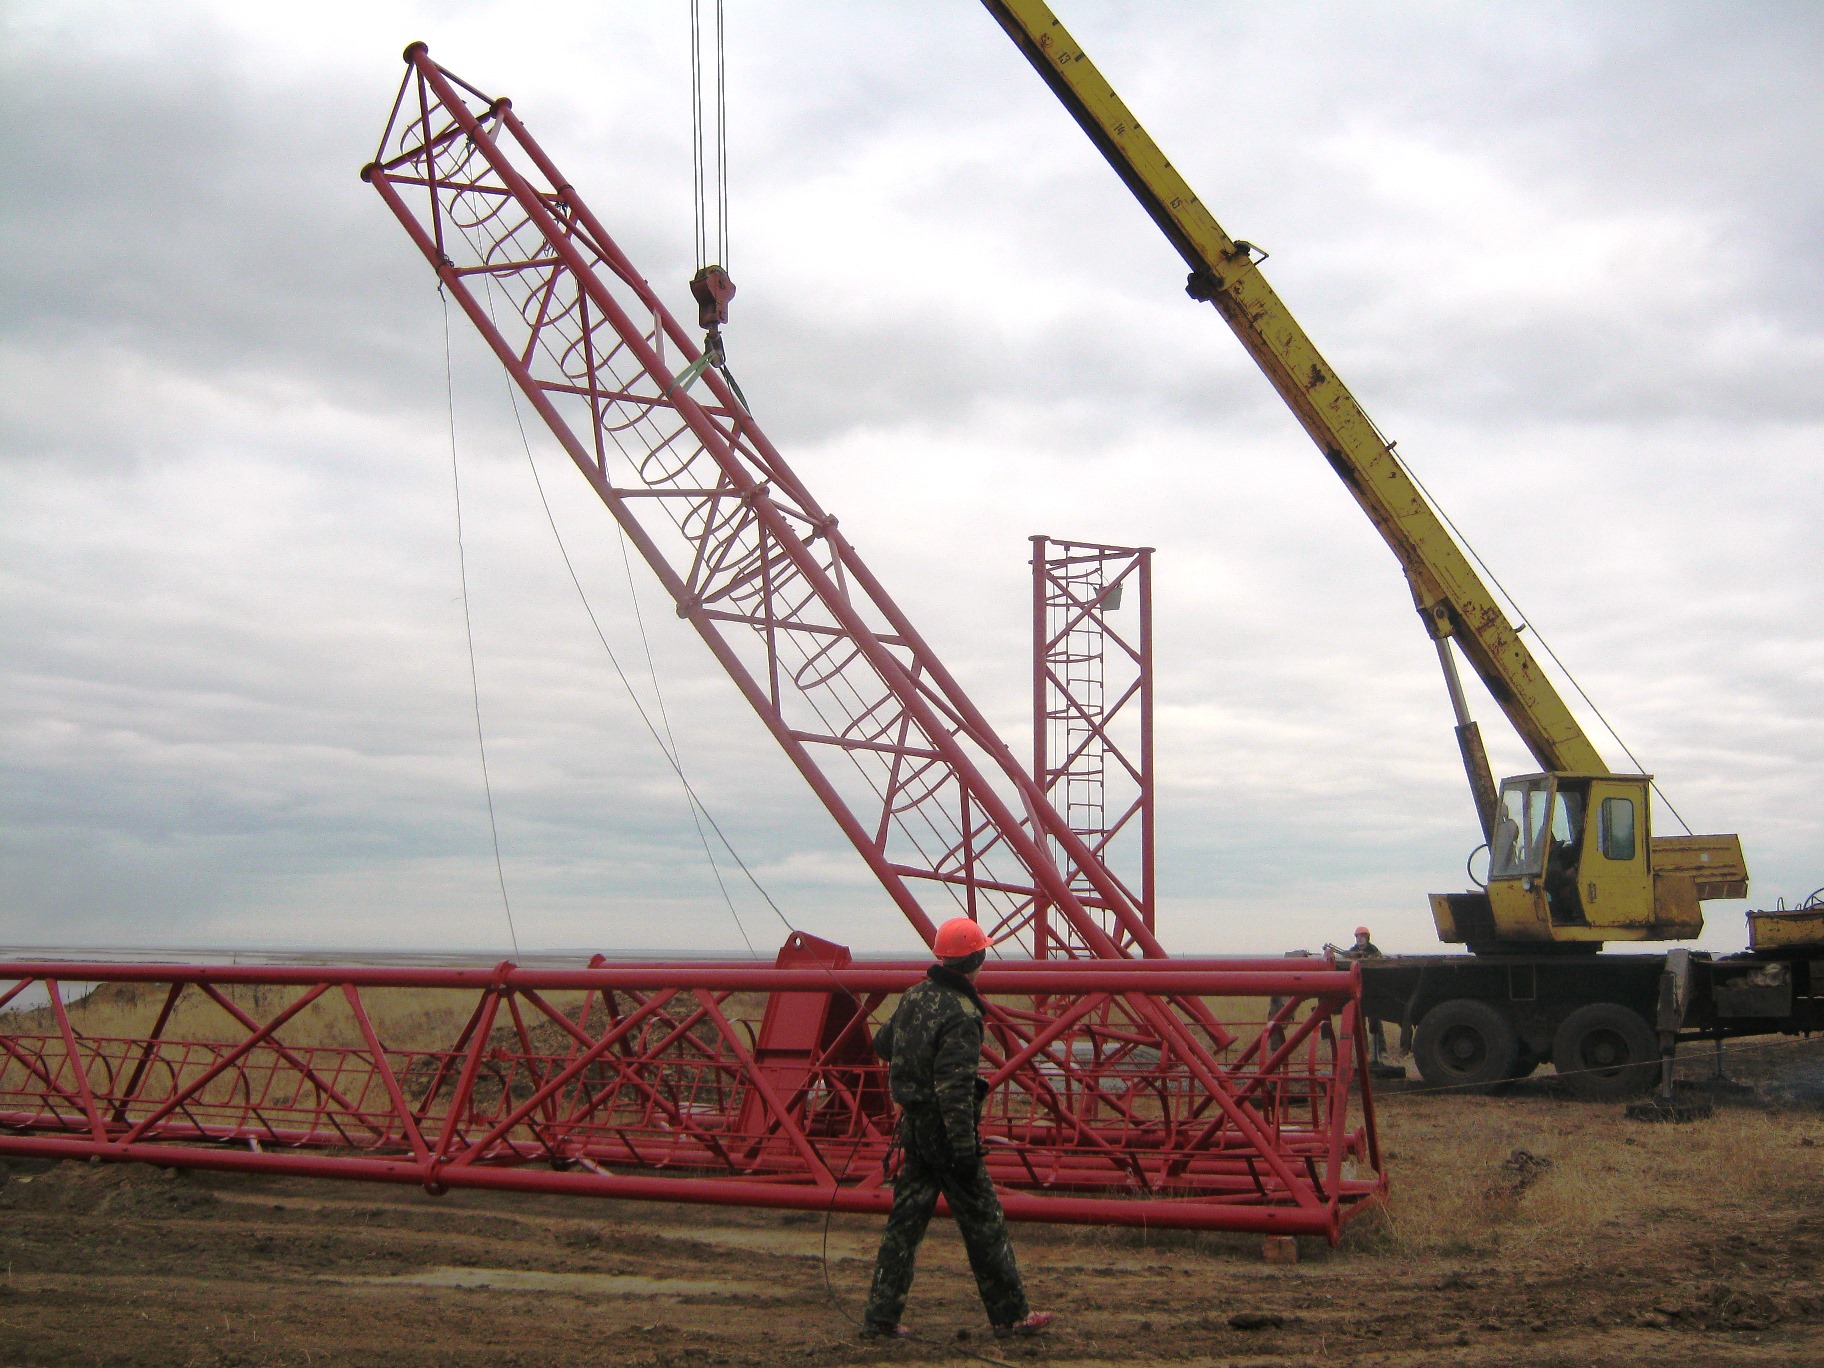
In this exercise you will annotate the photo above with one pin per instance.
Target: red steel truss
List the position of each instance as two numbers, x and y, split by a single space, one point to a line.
705 1082
1092 701
1129 1087
932 798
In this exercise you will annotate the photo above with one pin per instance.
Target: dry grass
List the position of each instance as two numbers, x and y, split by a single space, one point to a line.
1456 1191
404 1018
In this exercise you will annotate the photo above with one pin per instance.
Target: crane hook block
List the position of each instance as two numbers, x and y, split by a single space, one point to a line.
712 289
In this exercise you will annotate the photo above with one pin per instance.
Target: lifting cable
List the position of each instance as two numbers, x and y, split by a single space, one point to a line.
662 733
709 180
1526 622
710 286
468 623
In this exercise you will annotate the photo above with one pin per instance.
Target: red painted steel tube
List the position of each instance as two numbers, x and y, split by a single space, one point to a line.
82 1075
14 957
1166 978
1019 1206
1148 794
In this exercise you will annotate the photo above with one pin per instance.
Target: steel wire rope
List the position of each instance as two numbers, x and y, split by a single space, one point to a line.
472 231
836 1187
722 150
1426 1089
673 753
468 624
652 671
857 701
1004 914
1526 621
855 704
701 175
696 134
692 801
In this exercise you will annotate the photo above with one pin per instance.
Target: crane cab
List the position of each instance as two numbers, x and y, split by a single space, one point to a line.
1572 861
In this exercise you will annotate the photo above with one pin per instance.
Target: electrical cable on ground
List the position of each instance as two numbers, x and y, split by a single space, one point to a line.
468 624
1428 1089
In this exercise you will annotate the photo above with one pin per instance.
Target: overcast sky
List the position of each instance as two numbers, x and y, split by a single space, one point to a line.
1570 255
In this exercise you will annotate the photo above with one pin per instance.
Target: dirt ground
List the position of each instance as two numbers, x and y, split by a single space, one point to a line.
1524 1229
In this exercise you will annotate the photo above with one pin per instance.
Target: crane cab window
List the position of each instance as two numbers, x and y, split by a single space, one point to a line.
1522 829
1567 817
1615 828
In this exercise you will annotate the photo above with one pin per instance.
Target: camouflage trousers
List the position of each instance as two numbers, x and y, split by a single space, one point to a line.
927 1174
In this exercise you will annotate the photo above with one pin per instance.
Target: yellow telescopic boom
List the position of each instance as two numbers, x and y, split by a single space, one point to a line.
1450 596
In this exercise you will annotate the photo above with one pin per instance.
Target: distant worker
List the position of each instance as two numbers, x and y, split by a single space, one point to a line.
1560 882
1364 948
933 1044
1276 1028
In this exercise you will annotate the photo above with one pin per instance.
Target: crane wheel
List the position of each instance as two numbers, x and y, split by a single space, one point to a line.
1465 1045
1606 1052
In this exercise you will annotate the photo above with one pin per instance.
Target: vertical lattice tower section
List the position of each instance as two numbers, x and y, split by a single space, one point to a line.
1092 700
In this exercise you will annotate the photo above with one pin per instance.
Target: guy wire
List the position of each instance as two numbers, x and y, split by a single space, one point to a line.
1527 621
692 801
652 671
468 624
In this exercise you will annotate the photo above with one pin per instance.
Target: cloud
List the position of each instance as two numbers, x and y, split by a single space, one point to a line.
1567 257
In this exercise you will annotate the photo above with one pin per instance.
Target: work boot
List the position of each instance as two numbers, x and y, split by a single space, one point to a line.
1031 1325
876 1330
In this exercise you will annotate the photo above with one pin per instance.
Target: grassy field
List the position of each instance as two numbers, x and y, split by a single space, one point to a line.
1525 1228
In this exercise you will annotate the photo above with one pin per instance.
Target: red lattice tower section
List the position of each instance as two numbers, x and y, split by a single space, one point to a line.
695 1082
1092 703
1119 1094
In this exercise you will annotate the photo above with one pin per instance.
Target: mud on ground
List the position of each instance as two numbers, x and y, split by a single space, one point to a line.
1525 1229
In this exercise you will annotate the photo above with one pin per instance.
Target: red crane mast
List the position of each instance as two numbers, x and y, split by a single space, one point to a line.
932 798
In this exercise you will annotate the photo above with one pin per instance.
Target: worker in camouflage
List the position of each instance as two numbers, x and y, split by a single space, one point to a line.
933 1044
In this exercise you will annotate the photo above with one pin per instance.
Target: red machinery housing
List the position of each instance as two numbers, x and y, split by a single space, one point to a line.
1129 1087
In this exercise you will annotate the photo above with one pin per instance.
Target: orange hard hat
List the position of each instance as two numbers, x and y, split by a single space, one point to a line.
959 937
1361 930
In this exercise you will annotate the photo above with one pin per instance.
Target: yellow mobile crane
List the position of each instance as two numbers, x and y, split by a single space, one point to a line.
1572 858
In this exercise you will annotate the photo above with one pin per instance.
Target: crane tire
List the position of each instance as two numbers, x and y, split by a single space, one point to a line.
1606 1052
1465 1045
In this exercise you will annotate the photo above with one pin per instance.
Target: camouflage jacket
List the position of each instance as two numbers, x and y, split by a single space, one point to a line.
933 1044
